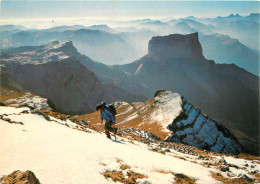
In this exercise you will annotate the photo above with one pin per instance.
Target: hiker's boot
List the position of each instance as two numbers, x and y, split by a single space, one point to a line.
108 134
115 130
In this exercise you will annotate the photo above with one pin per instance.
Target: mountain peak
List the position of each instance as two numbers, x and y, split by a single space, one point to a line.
176 46
254 15
65 47
56 44
190 17
233 16
190 126
101 27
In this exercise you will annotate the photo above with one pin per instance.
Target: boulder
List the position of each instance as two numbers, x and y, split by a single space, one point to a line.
20 177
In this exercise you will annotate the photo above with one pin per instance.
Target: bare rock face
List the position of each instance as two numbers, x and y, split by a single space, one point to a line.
69 85
194 128
176 46
19 177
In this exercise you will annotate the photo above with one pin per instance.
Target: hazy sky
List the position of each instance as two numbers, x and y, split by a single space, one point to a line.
68 8
23 9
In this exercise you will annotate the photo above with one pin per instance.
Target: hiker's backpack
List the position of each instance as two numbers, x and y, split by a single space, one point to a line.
112 109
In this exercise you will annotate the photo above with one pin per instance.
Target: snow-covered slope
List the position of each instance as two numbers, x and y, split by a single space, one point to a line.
63 154
54 51
58 154
166 108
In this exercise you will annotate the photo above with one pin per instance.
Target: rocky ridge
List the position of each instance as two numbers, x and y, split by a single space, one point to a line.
168 116
52 52
192 127
172 119
53 72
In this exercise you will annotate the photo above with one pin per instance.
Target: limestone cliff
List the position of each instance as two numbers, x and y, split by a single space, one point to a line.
176 46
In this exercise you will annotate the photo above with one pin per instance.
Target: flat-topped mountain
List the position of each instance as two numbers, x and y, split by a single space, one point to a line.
175 46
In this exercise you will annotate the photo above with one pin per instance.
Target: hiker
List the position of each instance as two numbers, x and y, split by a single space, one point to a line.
105 113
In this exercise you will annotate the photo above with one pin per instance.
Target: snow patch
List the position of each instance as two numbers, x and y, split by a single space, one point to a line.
12 110
56 56
132 116
130 108
242 163
167 108
33 101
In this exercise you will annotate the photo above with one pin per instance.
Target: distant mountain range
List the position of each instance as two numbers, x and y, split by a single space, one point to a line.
121 45
244 28
224 49
87 41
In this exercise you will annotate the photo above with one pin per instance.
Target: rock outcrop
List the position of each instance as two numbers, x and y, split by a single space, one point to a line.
190 126
175 46
20 177
194 128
